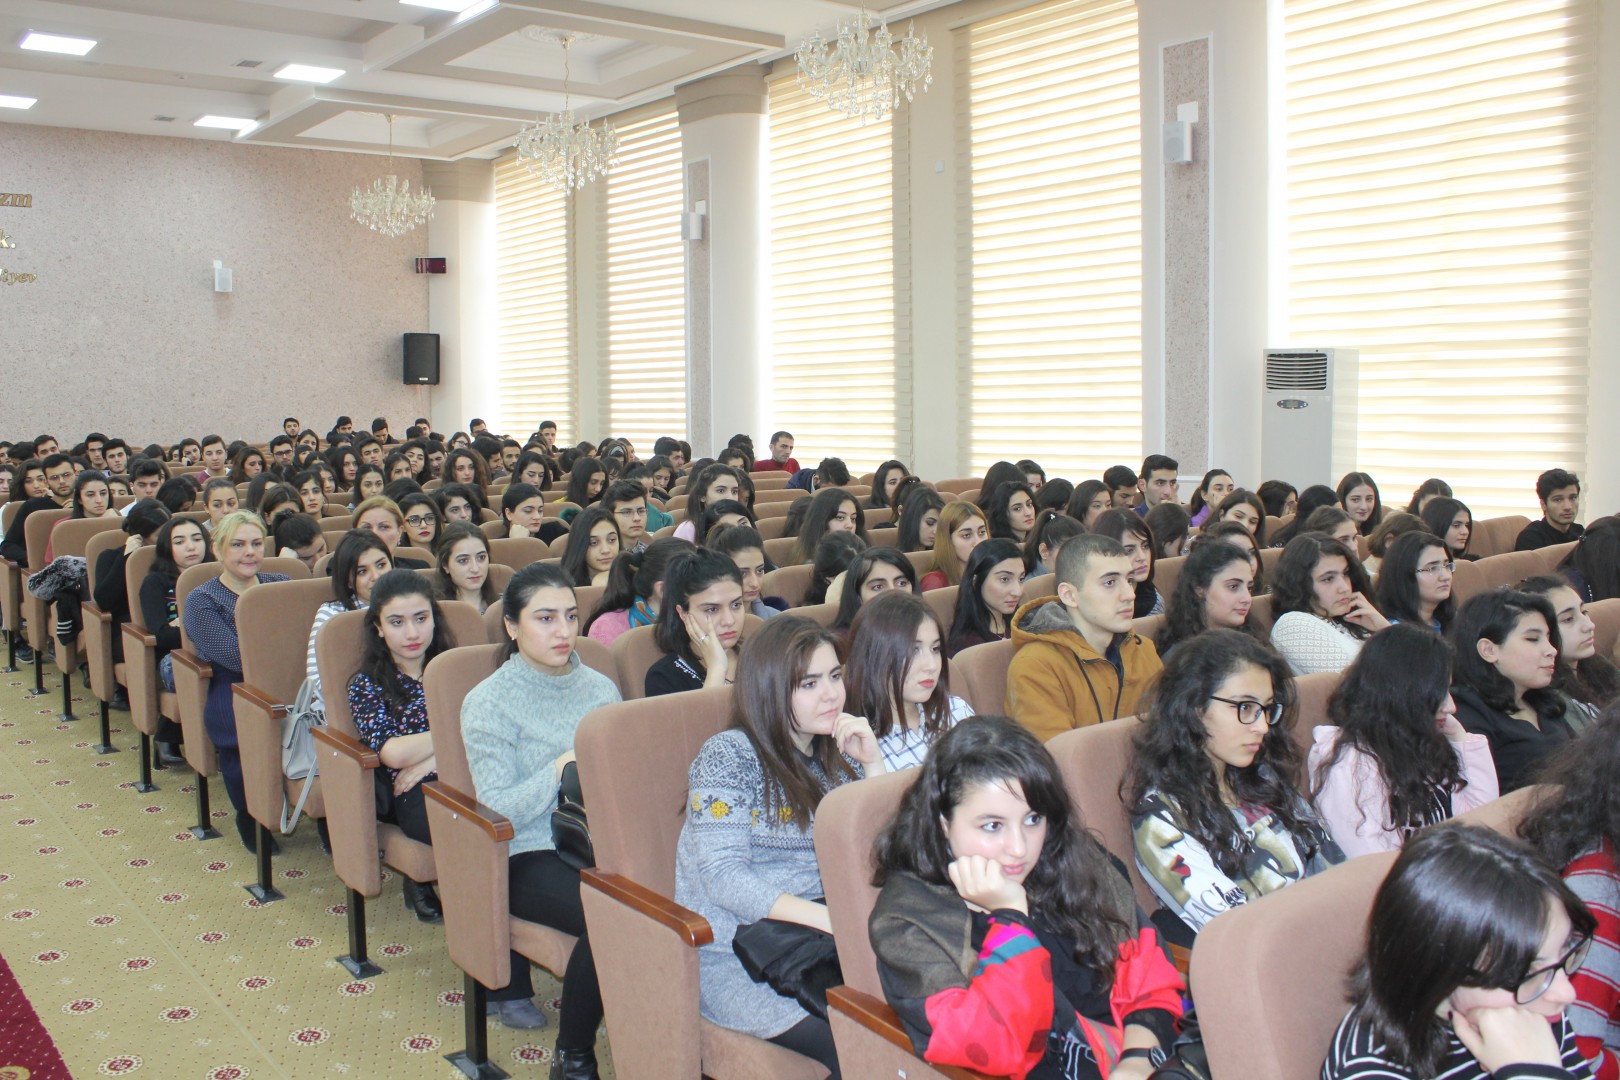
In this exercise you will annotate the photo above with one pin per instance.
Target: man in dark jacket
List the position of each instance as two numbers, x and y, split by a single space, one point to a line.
1560 493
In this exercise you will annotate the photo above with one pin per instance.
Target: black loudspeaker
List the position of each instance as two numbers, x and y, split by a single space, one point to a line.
422 359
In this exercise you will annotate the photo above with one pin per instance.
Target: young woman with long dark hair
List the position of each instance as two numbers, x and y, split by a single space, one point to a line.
1470 945
404 629
635 589
1588 681
1090 501
712 484
1213 489
1214 591
1217 815
361 559
423 523
1169 524
586 480
1245 508
1051 529
742 545
884 482
699 625
919 514
747 850
1309 501
1320 605
518 727
1358 497
831 510
1395 759
1010 511
723 512
1414 582
874 572
461 568
1429 489
593 544
180 544
899 679
1452 521
1007 938
989 594
1280 498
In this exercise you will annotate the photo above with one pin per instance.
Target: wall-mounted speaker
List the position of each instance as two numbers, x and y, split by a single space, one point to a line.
422 359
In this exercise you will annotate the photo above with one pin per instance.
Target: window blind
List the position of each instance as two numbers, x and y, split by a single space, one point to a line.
840 334
643 280
535 369
1050 221
1438 176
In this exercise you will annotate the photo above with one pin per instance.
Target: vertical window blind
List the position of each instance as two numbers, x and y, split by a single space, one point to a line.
643 283
1439 187
840 334
1050 226
535 366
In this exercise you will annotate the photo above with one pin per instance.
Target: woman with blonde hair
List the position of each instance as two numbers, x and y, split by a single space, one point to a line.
962 527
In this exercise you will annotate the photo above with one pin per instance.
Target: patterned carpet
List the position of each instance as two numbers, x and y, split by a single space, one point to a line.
142 954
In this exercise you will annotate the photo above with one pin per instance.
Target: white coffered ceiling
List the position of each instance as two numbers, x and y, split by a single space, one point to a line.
460 85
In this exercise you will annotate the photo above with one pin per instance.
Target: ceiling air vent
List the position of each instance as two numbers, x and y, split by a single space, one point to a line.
164 119
1296 371
248 63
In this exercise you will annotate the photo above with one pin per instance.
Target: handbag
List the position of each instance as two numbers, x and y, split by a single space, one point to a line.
298 758
570 832
797 961
1188 1058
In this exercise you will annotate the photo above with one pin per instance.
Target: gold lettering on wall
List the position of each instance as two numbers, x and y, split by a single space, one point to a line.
6 242
21 202
8 277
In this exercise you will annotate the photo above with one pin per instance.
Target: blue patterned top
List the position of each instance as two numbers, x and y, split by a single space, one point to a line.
376 722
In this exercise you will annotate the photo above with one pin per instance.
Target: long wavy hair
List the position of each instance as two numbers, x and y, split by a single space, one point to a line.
772 663
1066 886
579 542
851 600
1581 805
1085 493
971 616
1349 483
1385 707
1169 753
879 499
1293 582
915 505
1492 616
1439 515
375 659
1185 617
824 506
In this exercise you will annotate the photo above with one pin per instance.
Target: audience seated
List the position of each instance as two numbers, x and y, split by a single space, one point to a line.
700 624
1358 496
989 595
1559 492
1587 681
1213 591
742 545
873 573
898 677
635 589
1320 607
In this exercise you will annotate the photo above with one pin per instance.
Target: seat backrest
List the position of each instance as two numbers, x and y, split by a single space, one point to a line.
791 583
823 615
1553 557
1093 761
848 821
1606 613
72 536
517 551
101 542
979 674
876 516
921 561
1505 814
1467 580
8 514
943 604
272 625
1269 557
1165 573
959 484
1493 536
1314 691
1269 976
37 535
638 794
136 567
449 677
338 648
1509 568
780 551
1039 586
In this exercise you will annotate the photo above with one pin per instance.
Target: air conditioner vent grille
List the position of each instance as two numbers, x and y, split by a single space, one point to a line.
1296 371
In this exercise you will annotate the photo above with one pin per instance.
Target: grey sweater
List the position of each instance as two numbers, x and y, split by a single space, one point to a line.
514 724
730 866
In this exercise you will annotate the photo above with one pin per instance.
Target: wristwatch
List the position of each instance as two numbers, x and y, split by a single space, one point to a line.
1154 1055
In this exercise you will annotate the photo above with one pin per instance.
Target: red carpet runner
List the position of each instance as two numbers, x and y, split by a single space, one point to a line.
26 1048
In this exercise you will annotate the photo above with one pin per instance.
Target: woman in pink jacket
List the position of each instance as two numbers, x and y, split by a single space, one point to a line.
1398 759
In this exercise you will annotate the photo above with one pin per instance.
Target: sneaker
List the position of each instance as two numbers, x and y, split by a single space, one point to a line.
25 654
520 1014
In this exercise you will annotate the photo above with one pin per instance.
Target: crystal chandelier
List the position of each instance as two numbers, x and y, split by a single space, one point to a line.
864 72
559 151
388 206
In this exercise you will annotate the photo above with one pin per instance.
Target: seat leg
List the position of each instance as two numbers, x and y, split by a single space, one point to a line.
263 890
11 654
66 716
39 673
474 1061
357 963
144 783
106 746
203 830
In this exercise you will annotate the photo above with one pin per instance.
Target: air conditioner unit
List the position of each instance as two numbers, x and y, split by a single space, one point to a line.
1308 415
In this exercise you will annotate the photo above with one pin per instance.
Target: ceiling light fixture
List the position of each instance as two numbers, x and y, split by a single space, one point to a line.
457 6
866 70
388 207
559 151
309 73
55 43
227 123
12 101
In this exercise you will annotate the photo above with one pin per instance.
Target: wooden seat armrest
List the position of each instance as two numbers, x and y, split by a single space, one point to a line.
347 745
92 612
144 639
191 662
1182 956
496 825
259 699
875 1015
693 928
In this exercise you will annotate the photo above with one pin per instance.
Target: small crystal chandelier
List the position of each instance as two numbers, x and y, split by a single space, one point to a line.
865 71
559 151
388 206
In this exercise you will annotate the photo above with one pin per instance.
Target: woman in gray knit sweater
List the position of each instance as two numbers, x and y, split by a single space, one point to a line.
518 727
747 849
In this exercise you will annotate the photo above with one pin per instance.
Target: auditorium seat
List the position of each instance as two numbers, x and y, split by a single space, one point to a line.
1509 568
791 583
942 602
97 636
779 495
1495 536
1606 613
1467 580
979 675
876 516
780 551
1505 813
1038 586
553 509
11 590
149 703
1165 573
822 615
1314 691
959 484
772 527
36 612
517 551
640 937
1269 558
921 561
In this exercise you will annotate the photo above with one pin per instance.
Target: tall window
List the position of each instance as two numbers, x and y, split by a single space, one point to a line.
643 270
1051 231
839 333
536 346
1439 212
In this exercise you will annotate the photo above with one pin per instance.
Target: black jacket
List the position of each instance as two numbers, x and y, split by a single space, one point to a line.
1539 534
1516 746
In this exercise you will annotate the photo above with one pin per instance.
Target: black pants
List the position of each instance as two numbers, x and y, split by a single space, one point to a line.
410 813
544 889
813 1038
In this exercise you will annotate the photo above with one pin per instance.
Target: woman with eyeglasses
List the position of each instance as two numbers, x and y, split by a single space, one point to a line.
1470 946
1576 825
1395 759
1414 583
1217 817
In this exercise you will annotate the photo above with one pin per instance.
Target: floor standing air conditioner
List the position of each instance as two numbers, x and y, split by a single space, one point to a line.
1308 415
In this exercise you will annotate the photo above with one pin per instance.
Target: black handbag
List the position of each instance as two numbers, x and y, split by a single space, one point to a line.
797 961
1188 1059
570 832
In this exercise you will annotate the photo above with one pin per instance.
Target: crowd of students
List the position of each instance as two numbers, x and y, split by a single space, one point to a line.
1007 938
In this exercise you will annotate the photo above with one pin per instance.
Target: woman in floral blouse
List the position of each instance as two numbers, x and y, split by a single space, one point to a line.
403 632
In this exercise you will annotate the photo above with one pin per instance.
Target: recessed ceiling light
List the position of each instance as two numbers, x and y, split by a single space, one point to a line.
443 5
55 43
229 123
10 101
309 73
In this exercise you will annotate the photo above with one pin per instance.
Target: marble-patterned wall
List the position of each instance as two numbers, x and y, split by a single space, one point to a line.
122 331
1187 286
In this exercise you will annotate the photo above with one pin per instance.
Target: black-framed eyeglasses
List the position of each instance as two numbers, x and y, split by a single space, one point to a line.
418 521
1248 711
1540 980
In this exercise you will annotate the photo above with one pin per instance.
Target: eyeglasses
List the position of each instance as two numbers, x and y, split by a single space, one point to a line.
1434 568
1249 711
418 521
630 511
1540 980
